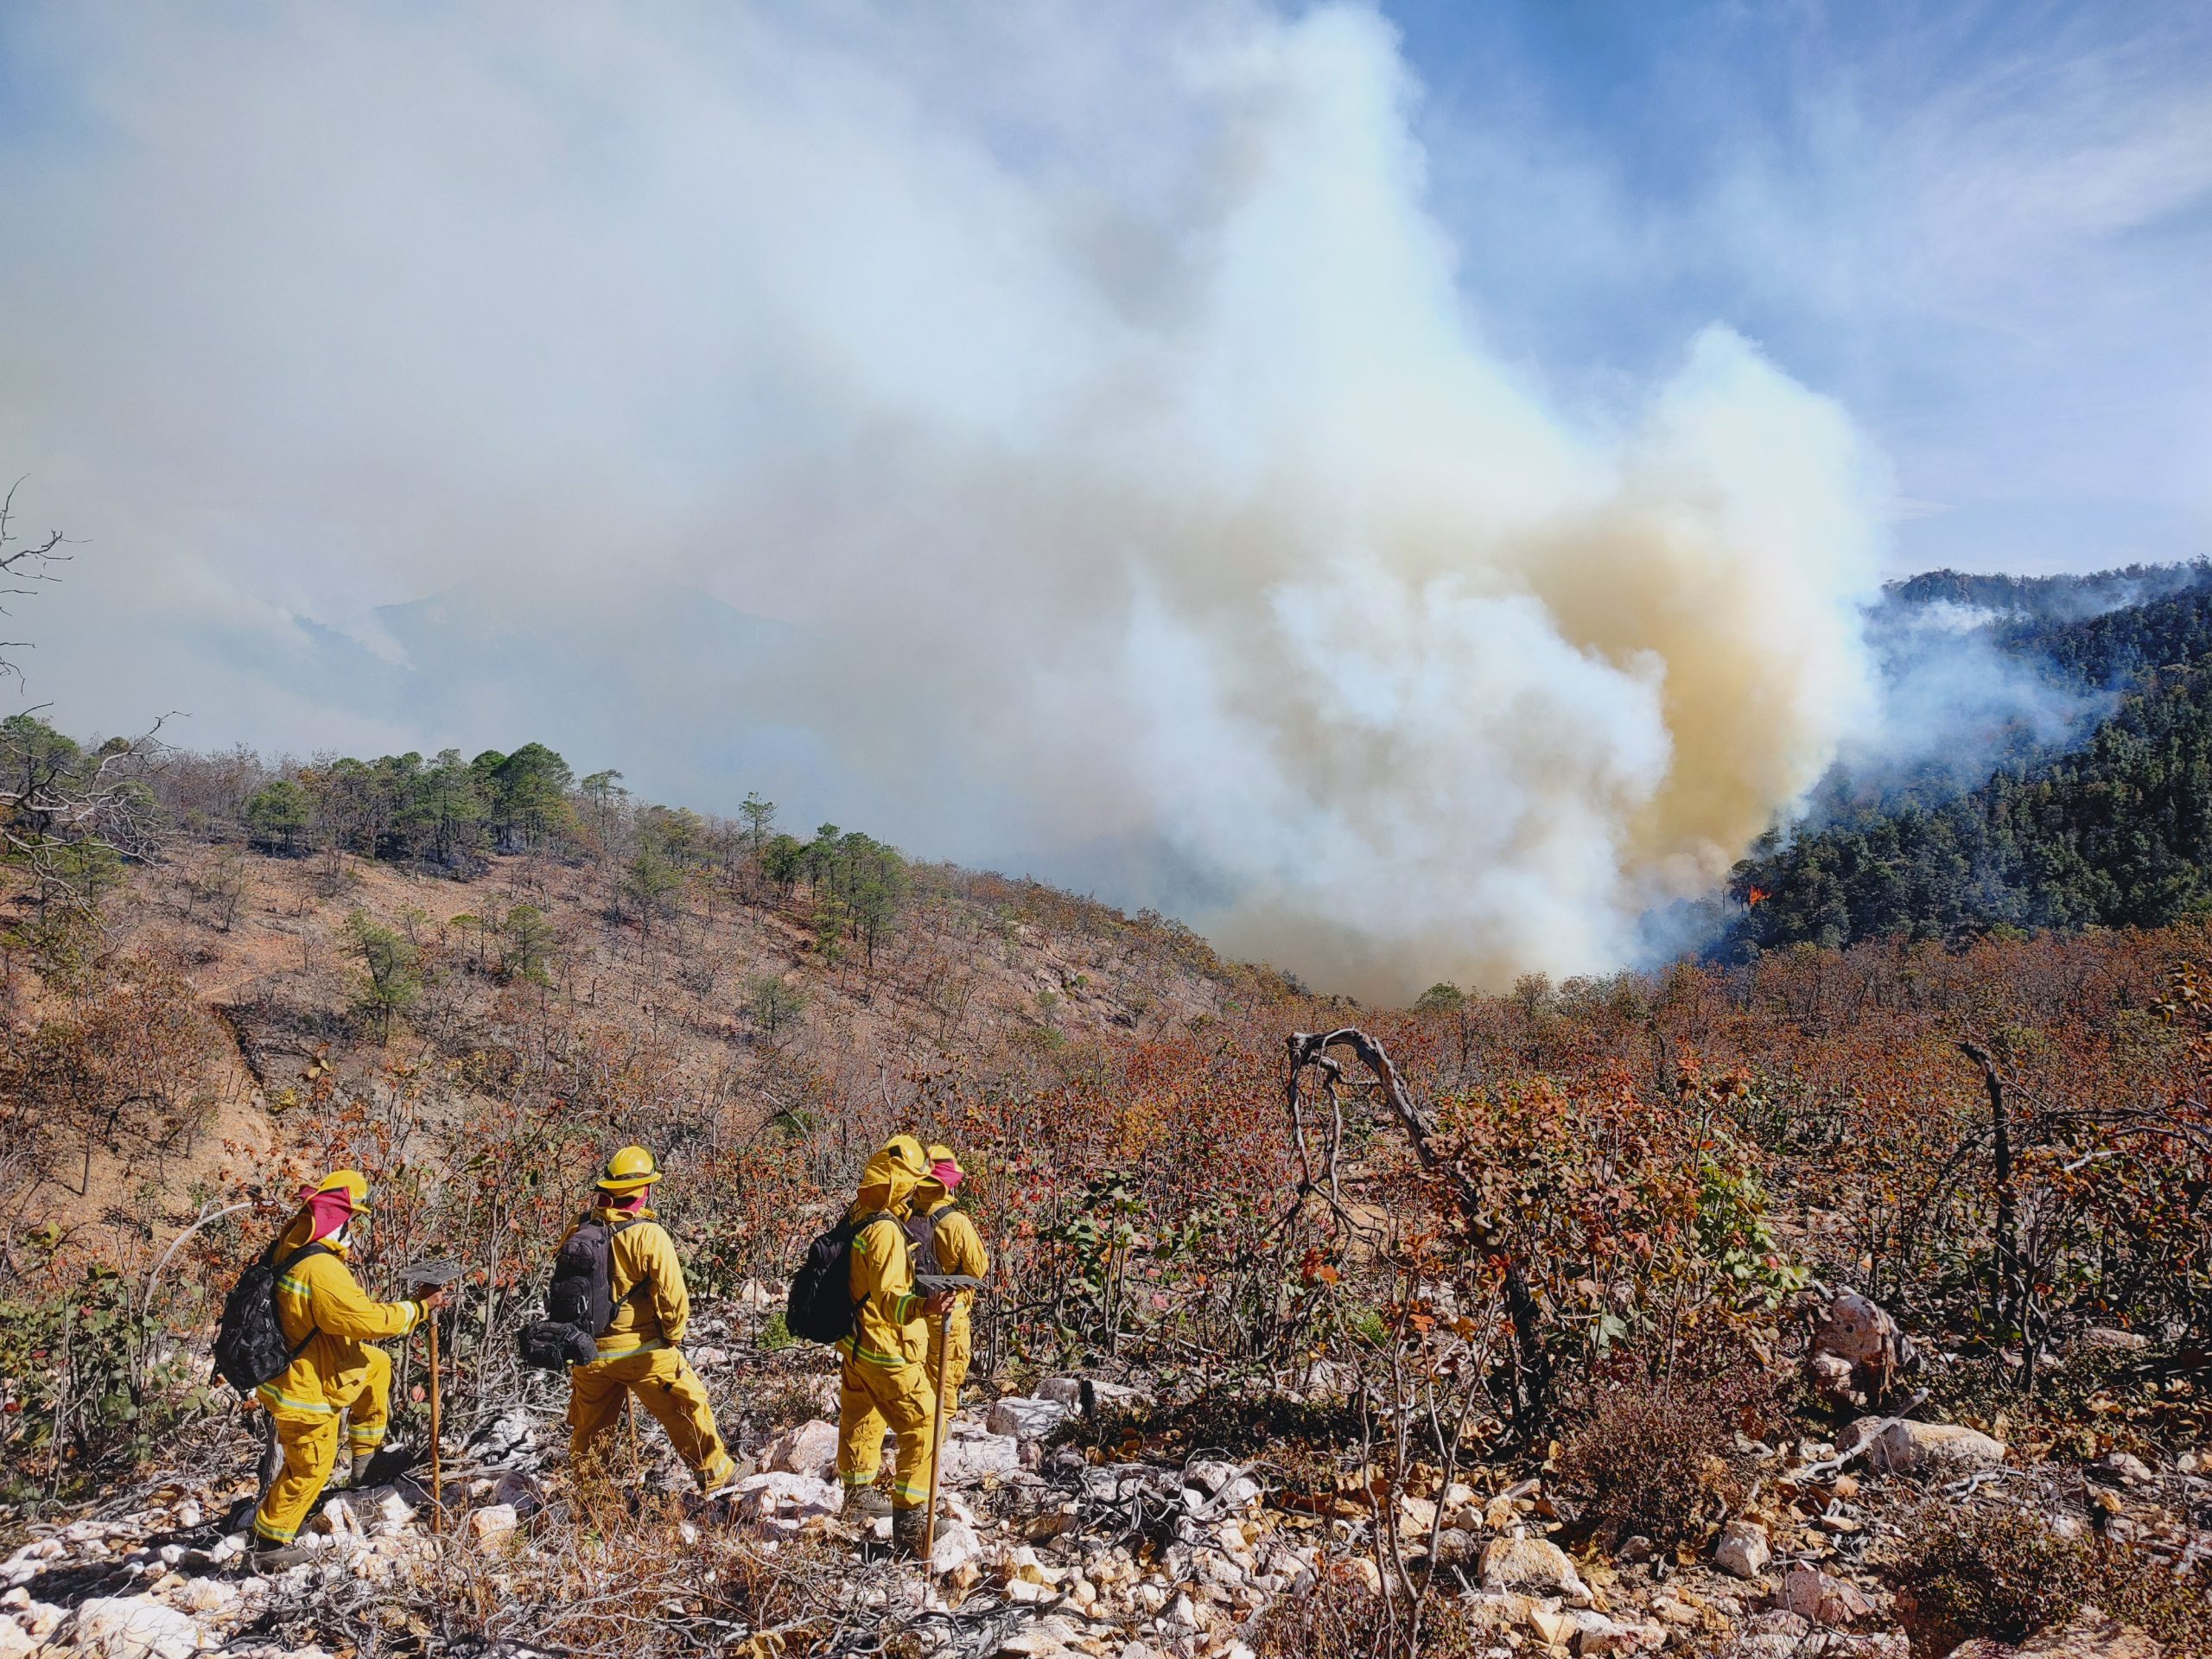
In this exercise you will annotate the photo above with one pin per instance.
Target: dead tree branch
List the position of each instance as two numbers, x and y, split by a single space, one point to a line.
1309 1051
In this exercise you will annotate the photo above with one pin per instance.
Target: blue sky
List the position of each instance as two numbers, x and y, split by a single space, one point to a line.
1988 228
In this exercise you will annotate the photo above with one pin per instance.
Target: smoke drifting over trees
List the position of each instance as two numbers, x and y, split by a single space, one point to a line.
1113 435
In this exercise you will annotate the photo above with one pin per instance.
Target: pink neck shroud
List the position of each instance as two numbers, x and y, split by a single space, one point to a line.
331 1212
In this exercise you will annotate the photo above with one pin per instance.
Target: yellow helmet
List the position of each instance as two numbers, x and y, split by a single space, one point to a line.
351 1182
628 1170
907 1152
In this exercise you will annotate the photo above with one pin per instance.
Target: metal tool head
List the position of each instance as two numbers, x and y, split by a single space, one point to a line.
429 1275
935 1284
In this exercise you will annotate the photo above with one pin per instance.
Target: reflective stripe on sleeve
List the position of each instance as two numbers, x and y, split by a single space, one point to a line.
851 1348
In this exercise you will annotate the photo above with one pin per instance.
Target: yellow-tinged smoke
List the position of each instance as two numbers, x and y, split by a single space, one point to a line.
1308 587
1098 397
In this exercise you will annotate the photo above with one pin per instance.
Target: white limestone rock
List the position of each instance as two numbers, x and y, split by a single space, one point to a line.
1534 1566
1068 1391
809 1449
1819 1598
206 1596
134 1627
780 1494
492 1522
968 1458
1902 1446
1025 1419
1744 1549
956 1546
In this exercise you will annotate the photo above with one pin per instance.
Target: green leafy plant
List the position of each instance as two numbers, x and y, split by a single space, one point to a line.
391 980
775 1005
78 1394
527 942
1733 1231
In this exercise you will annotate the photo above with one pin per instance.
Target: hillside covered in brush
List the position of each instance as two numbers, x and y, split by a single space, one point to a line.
1533 1318
495 932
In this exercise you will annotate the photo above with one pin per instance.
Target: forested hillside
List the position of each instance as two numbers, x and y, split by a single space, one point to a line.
2113 833
2043 601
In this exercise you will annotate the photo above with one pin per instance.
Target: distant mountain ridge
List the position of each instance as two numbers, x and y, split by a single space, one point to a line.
2060 598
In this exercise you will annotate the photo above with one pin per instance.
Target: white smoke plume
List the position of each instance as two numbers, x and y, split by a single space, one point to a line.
1093 396
1954 705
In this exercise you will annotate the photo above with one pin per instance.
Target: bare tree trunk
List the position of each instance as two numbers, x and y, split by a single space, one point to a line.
2005 1293
1532 1368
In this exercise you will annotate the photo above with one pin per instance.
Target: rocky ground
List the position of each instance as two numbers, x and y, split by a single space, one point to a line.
1049 1547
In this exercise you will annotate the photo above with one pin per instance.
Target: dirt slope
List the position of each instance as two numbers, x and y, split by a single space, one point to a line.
730 1007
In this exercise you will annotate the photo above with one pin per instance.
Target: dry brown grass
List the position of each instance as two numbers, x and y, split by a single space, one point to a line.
1339 1617
1994 1570
1662 1460
602 1574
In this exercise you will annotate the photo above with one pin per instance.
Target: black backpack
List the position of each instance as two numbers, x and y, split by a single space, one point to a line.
921 1236
820 1308
546 1346
250 1346
579 1302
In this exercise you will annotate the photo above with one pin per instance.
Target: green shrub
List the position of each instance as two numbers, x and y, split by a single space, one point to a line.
1734 1233
1364 1324
77 1395
2137 1588
391 980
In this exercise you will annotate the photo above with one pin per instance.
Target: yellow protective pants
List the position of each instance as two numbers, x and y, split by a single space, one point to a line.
671 1391
307 1432
957 1346
870 1396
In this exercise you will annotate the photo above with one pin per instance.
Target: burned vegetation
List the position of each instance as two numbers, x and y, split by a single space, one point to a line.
1850 1302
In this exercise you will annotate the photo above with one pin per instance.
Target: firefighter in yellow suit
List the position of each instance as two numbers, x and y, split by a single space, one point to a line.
640 1350
332 1321
959 1250
881 1380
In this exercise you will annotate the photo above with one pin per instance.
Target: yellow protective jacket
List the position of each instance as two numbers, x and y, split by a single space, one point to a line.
652 1305
882 1282
320 1295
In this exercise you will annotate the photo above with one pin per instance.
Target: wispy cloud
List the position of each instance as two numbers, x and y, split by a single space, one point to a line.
1985 226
